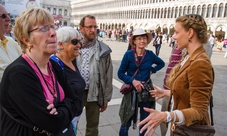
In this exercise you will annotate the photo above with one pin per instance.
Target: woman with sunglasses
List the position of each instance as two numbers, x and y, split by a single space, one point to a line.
68 40
36 97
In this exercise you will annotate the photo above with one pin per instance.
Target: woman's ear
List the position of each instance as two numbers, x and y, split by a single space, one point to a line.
26 41
190 33
61 45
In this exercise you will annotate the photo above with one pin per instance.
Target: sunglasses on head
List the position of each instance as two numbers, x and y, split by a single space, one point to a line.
75 42
4 16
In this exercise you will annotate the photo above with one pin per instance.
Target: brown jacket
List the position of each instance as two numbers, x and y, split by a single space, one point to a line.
192 88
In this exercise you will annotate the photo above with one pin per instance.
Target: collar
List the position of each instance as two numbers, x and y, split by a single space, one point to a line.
3 41
197 52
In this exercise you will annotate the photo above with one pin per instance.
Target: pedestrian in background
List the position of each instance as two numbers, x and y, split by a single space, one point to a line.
35 95
95 65
191 81
68 40
142 62
9 32
158 41
9 49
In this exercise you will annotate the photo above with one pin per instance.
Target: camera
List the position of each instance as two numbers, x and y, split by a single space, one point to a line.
145 92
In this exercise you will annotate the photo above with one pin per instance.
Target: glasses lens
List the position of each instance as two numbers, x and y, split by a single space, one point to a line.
44 28
74 41
3 16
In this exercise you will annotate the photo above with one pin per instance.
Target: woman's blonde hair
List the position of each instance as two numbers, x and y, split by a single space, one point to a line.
198 24
26 20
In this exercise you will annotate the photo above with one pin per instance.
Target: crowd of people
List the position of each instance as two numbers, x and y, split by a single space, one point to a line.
49 74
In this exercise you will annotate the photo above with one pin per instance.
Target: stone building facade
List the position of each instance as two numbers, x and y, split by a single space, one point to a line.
157 15
60 9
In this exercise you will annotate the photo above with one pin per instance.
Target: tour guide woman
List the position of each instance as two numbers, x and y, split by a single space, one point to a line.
149 64
34 92
190 82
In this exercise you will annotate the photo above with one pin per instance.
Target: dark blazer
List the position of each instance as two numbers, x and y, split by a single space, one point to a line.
192 88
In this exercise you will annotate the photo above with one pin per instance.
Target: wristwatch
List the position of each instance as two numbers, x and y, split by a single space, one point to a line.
168 118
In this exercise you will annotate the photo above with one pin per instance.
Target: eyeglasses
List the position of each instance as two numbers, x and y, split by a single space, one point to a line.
90 27
4 16
44 28
75 42
140 39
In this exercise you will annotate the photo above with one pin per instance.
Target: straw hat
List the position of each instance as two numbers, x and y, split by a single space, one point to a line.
138 32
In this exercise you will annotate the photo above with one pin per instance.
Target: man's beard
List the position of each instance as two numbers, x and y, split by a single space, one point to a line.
88 38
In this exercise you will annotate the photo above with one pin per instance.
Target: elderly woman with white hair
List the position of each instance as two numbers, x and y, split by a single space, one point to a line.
68 40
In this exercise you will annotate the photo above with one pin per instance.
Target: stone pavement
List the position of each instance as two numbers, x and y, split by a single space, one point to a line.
110 121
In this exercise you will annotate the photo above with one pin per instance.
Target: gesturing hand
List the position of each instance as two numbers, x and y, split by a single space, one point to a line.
157 93
152 121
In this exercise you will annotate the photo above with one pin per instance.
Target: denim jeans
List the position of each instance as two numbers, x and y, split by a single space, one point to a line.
143 114
157 49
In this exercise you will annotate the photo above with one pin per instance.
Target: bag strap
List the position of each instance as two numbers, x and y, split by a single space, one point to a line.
34 128
211 110
137 63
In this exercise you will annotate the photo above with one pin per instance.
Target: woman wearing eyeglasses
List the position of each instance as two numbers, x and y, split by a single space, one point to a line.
68 40
35 94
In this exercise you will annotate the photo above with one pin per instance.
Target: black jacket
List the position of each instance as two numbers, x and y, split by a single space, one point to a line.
21 94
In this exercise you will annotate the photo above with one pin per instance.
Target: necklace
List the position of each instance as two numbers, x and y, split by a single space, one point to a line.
53 93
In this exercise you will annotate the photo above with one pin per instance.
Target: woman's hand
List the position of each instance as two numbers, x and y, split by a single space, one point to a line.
158 93
152 121
50 107
138 85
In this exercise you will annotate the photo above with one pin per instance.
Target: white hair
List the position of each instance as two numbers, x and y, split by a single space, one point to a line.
66 34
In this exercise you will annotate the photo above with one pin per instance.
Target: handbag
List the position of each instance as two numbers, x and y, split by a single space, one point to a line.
196 130
125 88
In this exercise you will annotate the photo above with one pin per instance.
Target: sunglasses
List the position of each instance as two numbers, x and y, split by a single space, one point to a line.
4 16
75 42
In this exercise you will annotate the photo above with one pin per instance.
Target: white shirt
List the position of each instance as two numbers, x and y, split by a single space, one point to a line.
8 54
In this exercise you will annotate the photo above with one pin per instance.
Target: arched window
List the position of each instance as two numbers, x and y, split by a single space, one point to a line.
165 12
214 10
225 14
198 9
169 11
185 10
208 11
203 11
220 11
152 13
158 13
161 13
66 12
54 11
176 12
193 10
155 13
189 10
172 11
60 12
180 11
